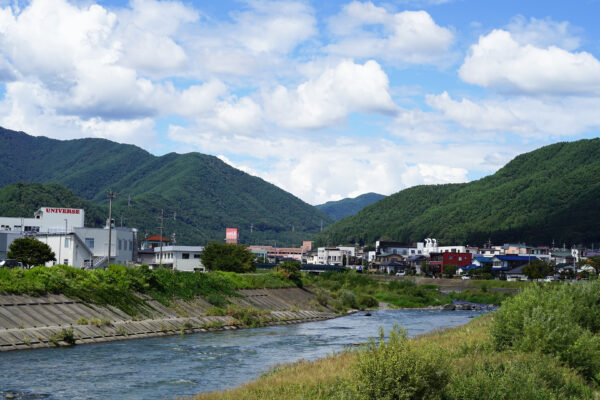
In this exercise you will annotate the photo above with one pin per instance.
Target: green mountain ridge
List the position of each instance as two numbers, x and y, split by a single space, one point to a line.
349 206
206 194
550 194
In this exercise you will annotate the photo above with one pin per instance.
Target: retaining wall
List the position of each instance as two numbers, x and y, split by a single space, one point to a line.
31 322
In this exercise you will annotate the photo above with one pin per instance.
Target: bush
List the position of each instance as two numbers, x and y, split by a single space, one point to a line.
366 301
399 370
348 299
65 335
563 321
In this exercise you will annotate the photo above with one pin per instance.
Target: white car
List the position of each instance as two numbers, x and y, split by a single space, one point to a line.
465 277
549 279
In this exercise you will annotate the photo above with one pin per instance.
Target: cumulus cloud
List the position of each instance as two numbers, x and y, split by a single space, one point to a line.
544 33
498 60
330 97
363 30
523 115
331 168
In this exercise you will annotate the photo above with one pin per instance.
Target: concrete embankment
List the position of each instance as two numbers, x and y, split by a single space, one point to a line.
31 322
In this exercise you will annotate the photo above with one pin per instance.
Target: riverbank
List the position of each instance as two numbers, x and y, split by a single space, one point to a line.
28 322
542 344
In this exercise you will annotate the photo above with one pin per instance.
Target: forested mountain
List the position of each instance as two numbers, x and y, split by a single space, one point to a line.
200 194
22 200
552 193
349 206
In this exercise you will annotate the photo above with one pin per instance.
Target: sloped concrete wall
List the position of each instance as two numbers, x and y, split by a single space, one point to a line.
31 322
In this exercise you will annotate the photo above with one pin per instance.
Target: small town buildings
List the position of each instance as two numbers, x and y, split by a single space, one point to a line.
295 253
404 249
491 251
152 241
330 256
439 260
516 274
179 258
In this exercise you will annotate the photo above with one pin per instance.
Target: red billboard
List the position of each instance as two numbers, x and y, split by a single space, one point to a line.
231 234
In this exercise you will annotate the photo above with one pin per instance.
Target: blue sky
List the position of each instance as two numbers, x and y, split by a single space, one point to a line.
324 99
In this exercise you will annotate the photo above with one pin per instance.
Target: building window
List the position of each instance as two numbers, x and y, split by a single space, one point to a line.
119 244
197 256
66 261
89 242
185 256
66 243
459 258
130 245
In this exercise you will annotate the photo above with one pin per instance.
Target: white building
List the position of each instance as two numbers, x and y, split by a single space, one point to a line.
45 220
88 247
180 258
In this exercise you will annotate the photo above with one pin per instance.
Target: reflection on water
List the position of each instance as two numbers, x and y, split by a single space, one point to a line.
166 367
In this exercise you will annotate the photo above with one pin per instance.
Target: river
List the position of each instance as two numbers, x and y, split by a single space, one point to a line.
167 367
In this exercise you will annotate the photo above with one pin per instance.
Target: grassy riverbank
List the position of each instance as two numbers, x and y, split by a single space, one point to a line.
543 344
352 290
120 286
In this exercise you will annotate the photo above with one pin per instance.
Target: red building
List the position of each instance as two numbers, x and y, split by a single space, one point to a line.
439 260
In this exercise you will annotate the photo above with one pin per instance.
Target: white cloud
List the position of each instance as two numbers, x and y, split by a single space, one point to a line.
329 98
330 168
526 116
364 30
544 33
499 60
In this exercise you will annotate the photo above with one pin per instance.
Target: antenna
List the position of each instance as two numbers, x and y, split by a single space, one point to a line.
128 200
321 225
251 227
174 215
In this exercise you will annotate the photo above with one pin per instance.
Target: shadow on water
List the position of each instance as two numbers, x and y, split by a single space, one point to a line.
167 367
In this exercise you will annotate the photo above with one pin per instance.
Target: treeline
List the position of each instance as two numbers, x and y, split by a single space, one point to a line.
549 194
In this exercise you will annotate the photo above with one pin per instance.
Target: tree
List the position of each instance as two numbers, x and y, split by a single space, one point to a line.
291 270
537 269
30 252
450 270
228 257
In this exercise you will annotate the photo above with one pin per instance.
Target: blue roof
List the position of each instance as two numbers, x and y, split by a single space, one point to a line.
470 266
516 258
483 259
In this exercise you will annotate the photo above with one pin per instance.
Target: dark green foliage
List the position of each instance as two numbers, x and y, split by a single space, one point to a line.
552 193
399 370
349 206
228 257
563 321
64 335
207 194
291 270
30 252
537 269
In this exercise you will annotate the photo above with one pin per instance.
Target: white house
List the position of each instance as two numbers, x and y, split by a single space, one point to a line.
180 258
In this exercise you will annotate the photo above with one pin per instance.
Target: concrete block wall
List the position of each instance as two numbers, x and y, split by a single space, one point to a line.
31 322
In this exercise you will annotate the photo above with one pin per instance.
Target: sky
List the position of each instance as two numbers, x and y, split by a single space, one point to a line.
325 99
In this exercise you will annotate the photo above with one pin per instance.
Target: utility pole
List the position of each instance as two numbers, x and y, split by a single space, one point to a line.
111 196
162 226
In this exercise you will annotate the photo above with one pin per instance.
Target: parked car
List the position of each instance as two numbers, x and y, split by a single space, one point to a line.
465 277
549 279
400 273
10 263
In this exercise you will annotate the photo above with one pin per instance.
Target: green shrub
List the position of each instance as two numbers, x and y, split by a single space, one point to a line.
217 300
348 299
65 335
563 321
82 321
399 370
366 301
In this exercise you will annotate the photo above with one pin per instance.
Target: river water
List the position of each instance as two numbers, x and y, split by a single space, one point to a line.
168 367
